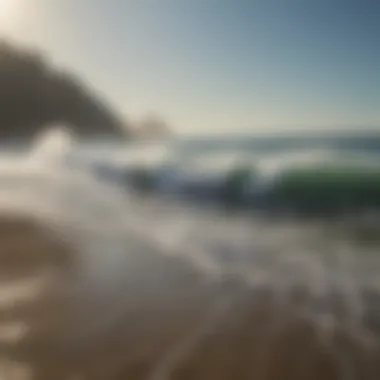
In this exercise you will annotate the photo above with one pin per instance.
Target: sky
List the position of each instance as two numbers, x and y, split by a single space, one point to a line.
216 66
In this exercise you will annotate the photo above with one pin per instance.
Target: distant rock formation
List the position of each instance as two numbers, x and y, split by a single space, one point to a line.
152 127
35 94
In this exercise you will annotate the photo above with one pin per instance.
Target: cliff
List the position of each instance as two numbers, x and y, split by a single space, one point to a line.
34 93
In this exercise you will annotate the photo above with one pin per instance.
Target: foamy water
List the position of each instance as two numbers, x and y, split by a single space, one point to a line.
157 257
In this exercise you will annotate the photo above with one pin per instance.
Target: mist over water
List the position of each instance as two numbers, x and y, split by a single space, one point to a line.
81 202
163 260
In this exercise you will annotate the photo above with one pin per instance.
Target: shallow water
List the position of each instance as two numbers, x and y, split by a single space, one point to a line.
154 279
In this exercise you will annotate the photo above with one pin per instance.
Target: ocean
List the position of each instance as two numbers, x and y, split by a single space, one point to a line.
147 265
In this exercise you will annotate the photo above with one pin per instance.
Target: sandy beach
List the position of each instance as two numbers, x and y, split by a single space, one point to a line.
183 294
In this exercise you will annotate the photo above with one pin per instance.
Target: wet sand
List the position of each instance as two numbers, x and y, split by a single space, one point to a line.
179 297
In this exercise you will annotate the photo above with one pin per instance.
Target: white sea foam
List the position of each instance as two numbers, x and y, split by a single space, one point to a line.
123 241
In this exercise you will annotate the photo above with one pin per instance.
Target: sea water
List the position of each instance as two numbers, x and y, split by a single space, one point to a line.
127 246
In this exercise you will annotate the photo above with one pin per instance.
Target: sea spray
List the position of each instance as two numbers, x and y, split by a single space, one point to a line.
165 291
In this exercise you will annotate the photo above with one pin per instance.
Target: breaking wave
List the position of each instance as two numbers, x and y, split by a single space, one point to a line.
160 290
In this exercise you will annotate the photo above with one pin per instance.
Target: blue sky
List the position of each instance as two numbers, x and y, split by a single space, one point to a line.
210 66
